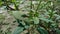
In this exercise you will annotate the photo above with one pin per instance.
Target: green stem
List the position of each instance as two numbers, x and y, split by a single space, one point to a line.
38 5
16 6
51 15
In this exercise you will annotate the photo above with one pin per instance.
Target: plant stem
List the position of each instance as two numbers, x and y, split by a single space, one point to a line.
51 15
31 6
38 5
16 6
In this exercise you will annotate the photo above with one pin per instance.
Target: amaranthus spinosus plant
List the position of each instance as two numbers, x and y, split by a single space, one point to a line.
39 18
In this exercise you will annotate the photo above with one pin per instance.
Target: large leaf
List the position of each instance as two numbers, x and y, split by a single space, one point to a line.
18 30
42 31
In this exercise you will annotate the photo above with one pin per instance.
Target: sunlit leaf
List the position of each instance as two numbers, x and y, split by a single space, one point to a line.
36 20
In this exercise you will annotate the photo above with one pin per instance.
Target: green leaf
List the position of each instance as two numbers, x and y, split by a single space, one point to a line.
1 3
58 18
47 20
26 27
18 30
42 30
58 31
36 20
13 0
17 14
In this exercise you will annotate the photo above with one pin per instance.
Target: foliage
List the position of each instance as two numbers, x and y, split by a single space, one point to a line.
40 17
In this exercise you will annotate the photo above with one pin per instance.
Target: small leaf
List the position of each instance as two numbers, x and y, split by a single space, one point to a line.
36 20
47 20
26 27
